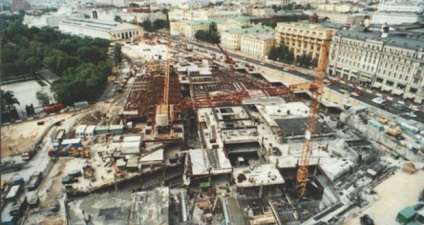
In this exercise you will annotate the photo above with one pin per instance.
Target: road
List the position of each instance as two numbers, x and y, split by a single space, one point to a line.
366 97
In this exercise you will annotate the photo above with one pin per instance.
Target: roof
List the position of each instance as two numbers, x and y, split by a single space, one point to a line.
132 139
257 175
81 128
407 212
96 24
203 159
408 42
90 128
297 127
153 156
242 18
152 206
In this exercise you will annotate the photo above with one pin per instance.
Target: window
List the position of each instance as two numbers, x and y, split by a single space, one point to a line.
406 77
413 90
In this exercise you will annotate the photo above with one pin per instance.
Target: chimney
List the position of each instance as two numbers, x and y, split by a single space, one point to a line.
385 31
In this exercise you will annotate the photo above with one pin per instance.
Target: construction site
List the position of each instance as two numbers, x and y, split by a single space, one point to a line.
196 140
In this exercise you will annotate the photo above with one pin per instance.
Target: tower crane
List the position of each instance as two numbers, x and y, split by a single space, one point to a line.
316 88
213 34
163 115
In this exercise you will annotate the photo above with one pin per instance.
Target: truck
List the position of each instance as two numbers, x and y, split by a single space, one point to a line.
34 180
60 135
18 209
8 220
14 192
18 180
393 130
53 108
12 165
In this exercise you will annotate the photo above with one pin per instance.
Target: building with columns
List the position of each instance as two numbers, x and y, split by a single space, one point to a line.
392 62
99 28
304 38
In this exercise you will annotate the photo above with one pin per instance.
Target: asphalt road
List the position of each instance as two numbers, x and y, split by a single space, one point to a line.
365 97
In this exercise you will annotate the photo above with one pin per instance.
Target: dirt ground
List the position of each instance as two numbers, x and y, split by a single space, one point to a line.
17 138
397 192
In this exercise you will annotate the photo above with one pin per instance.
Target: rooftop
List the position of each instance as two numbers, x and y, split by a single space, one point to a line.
408 42
257 175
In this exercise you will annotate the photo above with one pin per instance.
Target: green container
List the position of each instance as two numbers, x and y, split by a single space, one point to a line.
406 215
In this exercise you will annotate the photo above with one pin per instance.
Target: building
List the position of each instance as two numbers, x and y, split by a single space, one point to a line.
99 28
189 28
304 38
391 62
257 44
180 14
343 18
398 12
16 5
342 8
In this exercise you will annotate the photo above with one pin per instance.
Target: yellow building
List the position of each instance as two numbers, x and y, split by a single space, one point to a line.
257 44
303 38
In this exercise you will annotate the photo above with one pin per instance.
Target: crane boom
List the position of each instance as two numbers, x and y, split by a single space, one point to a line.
316 88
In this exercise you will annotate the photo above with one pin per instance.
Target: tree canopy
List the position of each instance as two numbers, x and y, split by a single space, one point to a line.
82 62
8 99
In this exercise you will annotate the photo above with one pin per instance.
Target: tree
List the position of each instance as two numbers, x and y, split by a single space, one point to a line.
118 19
8 99
117 54
42 98
214 37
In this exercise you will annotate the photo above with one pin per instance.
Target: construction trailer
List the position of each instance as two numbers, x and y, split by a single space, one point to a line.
80 131
90 131
116 129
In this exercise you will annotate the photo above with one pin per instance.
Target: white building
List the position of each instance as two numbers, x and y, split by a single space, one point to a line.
99 28
393 64
51 19
392 12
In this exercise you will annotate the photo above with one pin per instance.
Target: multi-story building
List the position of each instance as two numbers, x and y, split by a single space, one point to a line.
16 5
257 44
99 28
398 12
180 14
342 8
393 63
304 38
342 18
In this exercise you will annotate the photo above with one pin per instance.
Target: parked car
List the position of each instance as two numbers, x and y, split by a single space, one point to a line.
378 100
398 106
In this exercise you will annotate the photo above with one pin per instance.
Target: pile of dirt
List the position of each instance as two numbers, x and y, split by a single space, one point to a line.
92 118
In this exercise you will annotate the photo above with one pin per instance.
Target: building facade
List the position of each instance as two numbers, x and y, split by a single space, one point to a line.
16 5
343 18
257 45
304 38
392 63
99 28
398 12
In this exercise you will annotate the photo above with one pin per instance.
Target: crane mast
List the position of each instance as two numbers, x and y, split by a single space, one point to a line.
316 88
163 117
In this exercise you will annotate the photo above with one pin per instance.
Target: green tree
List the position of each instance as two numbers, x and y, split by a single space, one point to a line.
214 37
42 98
117 54
8 99
118 19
